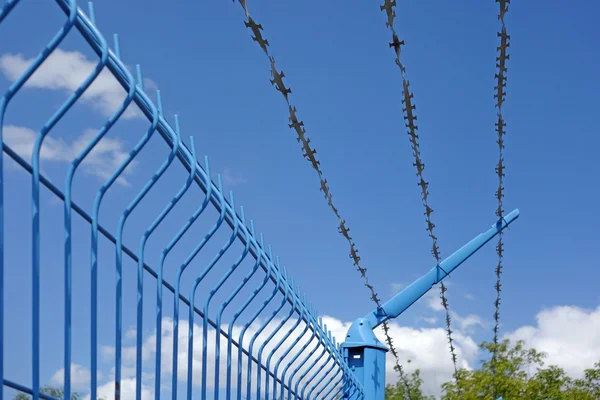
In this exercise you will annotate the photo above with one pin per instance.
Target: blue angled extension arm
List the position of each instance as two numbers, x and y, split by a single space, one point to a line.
399 303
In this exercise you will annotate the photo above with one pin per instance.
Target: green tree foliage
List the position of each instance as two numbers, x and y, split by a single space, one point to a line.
520 374
398 390
57 393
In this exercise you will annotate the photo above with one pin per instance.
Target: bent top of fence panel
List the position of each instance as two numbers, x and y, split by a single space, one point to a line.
256 336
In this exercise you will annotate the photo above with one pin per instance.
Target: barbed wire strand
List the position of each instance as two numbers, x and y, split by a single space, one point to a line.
410 118
309 154
499 95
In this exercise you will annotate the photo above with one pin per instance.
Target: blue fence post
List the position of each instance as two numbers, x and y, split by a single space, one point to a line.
365 355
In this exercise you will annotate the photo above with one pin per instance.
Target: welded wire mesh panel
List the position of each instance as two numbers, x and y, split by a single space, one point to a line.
126 270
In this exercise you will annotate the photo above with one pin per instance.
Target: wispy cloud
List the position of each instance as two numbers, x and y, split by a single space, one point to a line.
102 161
429 320
231 179
569 335
469 323
396 287
149 84
80 377
432 299
66 71
426 348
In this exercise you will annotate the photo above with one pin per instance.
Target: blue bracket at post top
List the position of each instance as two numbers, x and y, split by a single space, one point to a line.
364 353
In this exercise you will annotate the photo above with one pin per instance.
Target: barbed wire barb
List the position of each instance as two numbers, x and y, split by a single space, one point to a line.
410 118
309 154
499 95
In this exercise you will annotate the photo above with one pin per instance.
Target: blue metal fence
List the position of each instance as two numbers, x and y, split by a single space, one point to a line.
263 341
249 332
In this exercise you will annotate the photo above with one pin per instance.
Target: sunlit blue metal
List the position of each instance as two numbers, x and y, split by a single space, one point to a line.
339 381
347 375
297 299
284 283
187 262
325 381
211 293
298 354
247 325
336 382
348 379
331 354
195 285
234 319
399 303
251 241
94 246
6 9
131 254
316 324
165 252
116 67
169 247
323 340
157 112
305 311
235 265
364 352
326 352
227 214
91 13
67 206
273 333
35 203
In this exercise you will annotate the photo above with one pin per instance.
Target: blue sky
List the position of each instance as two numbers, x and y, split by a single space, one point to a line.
347 91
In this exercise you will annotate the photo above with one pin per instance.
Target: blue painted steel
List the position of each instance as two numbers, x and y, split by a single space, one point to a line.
296 297
211 293
12 90
284 289
235 265
289 287
165 252
278 285
364 353
67 207
290 353
399 303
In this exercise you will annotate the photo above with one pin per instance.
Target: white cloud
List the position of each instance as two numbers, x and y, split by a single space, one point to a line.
230 179
131 333
149 84
432 299
107 390
149 346
80 377
397 287
570 336
66 71
468 323
426 348
431 320
102 161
